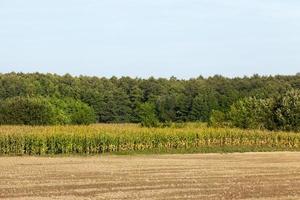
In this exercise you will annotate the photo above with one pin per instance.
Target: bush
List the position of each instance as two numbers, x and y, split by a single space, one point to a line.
79 112
27 111
44 111
286 112
217 119
147 115
279 113
250 113
73 112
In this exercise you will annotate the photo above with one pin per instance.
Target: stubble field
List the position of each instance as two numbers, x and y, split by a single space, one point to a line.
192 176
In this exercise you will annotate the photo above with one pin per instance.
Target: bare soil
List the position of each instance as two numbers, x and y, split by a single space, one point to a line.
197 176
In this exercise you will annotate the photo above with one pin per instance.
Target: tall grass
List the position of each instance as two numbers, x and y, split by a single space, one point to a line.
128 138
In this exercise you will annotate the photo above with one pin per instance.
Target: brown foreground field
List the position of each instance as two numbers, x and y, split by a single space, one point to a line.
195 176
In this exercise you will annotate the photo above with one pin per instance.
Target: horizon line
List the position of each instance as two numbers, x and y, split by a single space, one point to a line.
150 76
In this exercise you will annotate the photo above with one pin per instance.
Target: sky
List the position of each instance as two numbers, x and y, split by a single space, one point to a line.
143 38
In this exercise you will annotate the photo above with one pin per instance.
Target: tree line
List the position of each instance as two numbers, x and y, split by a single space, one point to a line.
125 99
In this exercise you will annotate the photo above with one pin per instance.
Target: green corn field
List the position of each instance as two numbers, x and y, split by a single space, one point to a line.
131 138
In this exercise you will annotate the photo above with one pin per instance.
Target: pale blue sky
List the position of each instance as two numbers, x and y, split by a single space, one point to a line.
143 38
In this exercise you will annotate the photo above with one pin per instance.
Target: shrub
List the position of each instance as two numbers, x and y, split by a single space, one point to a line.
250 113
286 112
79 112
27 111
217 119
279 113
147 115
44 111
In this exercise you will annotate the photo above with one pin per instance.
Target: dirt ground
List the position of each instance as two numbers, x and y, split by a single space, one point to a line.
196 176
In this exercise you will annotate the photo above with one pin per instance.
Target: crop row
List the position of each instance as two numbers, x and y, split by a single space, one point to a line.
98 139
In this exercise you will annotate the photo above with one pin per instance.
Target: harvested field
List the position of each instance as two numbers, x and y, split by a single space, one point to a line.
195 176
